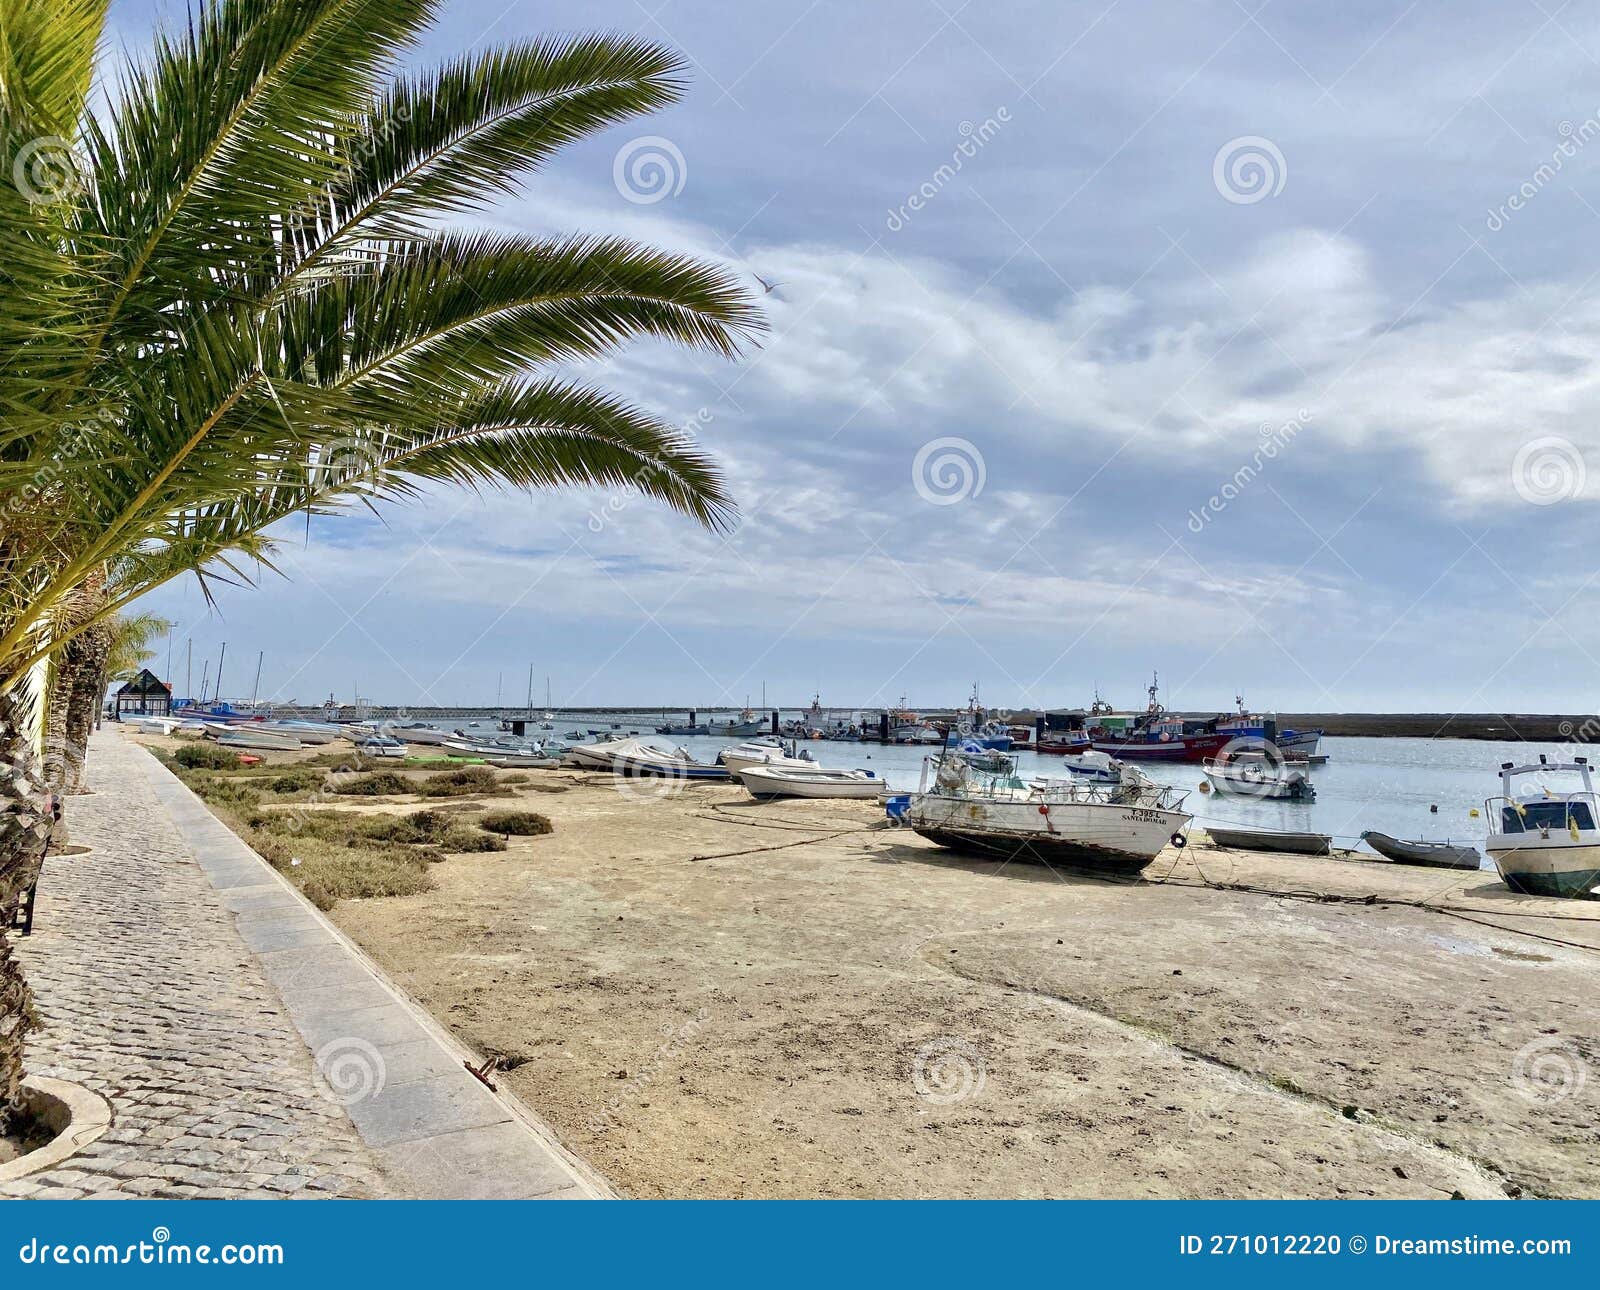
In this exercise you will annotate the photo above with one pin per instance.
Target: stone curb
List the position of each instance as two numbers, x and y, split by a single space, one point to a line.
400 1076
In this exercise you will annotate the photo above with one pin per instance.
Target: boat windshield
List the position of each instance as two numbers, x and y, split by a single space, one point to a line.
1521 817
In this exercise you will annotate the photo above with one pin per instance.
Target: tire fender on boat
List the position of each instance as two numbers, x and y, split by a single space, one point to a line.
1179 840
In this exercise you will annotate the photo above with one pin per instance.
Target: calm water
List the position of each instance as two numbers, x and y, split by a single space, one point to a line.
1383 784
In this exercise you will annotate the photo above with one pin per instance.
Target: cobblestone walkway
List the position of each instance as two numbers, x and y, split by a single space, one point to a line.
149 996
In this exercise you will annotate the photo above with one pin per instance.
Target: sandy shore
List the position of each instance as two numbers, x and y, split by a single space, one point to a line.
710 997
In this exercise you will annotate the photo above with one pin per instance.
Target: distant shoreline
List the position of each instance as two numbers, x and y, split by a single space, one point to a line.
1537 727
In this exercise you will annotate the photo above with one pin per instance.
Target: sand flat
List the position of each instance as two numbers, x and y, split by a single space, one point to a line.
707 997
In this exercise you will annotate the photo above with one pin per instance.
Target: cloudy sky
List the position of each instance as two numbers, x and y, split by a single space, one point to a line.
1254 343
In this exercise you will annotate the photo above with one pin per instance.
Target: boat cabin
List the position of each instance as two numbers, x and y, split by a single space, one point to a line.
1520 810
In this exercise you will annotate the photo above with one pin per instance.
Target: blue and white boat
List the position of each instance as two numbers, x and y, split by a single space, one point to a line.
1547 840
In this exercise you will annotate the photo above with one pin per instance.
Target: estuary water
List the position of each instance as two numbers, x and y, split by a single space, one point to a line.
1410 788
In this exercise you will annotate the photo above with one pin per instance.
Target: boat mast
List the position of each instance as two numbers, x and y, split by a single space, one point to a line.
220 661
255 690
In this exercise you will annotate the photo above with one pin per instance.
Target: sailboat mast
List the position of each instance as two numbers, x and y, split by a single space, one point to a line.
223 658
255 690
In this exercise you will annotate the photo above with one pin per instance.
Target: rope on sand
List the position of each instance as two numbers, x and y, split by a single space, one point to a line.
781 846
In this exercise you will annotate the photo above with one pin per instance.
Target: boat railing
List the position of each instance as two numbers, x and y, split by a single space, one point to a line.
1564 813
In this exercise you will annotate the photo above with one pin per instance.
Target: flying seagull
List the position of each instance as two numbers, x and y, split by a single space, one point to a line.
770 286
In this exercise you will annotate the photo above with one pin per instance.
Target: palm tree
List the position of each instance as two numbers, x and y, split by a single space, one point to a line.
234 294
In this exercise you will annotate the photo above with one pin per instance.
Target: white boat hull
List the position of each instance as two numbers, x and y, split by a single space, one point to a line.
788 781
261 740
1539 866
737 761
1102 836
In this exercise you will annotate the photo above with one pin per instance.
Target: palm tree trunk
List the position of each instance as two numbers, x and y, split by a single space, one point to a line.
25 826
81 680
77 684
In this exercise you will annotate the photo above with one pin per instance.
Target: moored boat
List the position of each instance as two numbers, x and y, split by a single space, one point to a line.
1546 842
1255 773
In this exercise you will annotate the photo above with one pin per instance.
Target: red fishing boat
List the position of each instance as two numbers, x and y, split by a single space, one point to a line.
1155 734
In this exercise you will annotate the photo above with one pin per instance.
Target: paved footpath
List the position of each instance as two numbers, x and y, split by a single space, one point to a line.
247 1048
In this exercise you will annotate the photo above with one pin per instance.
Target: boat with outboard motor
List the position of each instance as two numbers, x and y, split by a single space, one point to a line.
1546 841
766 751
1253 772
1116 829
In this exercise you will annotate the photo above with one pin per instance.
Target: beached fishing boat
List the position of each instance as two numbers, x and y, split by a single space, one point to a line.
813 781
418 733
380 746
245 737
1546 841
597 755
1300 844
1253 773
646 760
531 760
1115 830
1436 855
306 732
769 751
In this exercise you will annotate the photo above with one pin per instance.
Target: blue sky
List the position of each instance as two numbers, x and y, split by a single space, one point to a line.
1334 268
